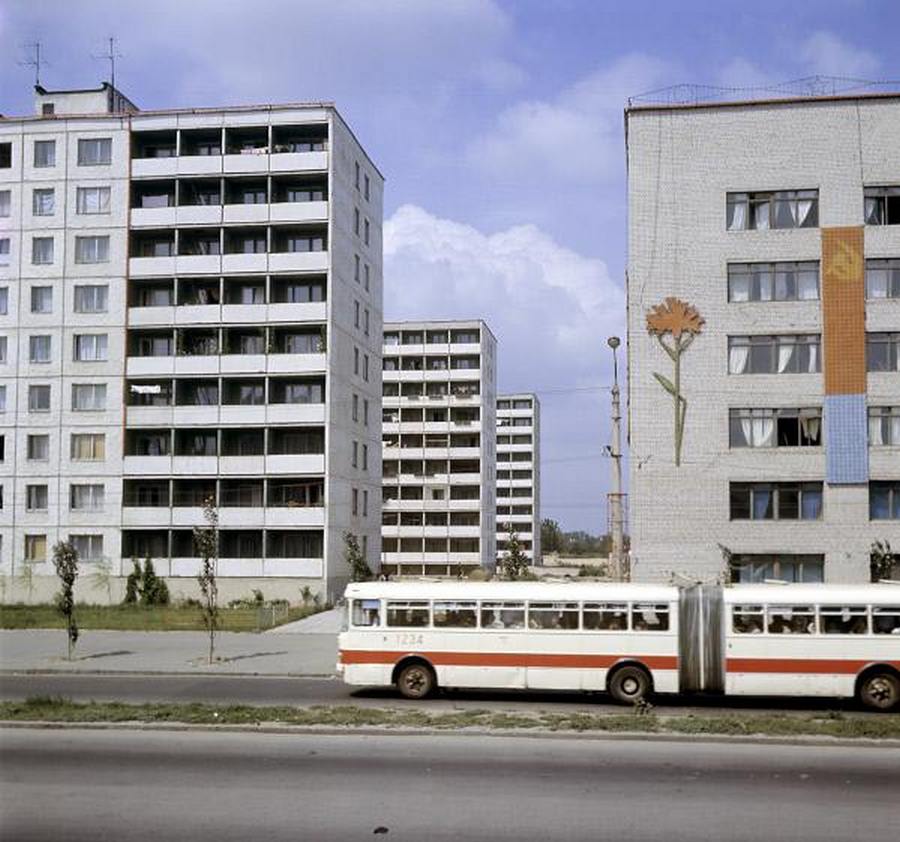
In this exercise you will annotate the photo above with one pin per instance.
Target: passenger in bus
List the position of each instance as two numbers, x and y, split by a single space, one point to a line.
616 623
801 624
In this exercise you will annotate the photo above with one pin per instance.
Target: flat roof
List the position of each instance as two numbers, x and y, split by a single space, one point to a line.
633 108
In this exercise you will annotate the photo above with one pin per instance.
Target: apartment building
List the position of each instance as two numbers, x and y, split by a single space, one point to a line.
190 309
438 447
764 337
519 473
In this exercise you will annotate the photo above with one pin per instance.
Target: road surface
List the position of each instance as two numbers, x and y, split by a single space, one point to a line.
131 785
260 690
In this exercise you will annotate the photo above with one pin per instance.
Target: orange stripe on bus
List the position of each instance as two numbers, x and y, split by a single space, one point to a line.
508 659
804 666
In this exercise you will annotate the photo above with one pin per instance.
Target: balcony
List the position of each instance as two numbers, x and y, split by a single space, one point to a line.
295 463
299 261
313 311
295 516
164 217
160 516
296 363
154 167
147 465
246 465
299 212
198 264
237 414
299 413
199 164
148 266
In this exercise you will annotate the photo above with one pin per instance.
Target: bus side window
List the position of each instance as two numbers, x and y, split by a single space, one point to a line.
747 619
843 619
503 615
602 616
791 619
408 614
886 619
646 616
553 615
366 612
459 615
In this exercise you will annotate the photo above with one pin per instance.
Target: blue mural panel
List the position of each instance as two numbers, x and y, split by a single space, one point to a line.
846 440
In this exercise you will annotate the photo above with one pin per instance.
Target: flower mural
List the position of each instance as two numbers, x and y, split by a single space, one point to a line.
683 323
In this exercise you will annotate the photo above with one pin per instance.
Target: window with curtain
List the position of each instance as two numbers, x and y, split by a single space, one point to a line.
39 349
884 426
44 153
775 500
5 203
43 202
88 447
41 251
88 497
782 354
883 278
92 249
92 200
89 397
88 547
884 500
761 211
94 152
90 347
91 298
883 352
882 205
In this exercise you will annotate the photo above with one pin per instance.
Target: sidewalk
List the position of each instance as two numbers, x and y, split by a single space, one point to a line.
43 650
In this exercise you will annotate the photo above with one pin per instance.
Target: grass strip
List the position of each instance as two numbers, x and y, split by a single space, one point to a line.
57 709
143 618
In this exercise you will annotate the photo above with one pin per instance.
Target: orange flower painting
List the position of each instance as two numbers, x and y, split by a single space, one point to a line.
682 321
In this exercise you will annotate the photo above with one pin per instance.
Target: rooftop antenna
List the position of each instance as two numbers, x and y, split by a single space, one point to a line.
110 55
35 60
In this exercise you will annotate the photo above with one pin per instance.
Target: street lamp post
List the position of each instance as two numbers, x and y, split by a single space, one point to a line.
617 521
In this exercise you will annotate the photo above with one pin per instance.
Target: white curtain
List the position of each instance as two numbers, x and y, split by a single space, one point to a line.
761 216
763 431
738 356
785 354
810 426
808 286
895 430
813 357
738 217
740 288
804 207
876 439
747 430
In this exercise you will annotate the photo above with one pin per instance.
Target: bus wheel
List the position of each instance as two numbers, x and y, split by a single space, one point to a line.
880 691
416 681
629 685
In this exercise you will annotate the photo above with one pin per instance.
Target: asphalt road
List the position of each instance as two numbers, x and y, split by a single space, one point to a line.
259 690
130 785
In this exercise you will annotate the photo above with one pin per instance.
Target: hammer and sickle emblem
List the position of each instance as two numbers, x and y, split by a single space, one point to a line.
845 263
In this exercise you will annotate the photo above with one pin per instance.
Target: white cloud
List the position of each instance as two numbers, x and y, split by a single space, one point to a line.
550 307
826 54
577 135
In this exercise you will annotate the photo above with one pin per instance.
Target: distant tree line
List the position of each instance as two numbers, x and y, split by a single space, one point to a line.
575 543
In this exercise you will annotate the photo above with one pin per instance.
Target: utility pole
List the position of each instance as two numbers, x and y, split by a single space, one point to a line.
614 498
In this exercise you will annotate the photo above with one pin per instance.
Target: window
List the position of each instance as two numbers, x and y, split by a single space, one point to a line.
366 367
356 313
6 204
776 500
843 619
649 617
886 620
36 497
88 447
92 200
366 187
4 300
365 457
883 278
356 361
91 298
35 548
747 568
42 299
503 615
354 460
883 351
92 249
365 612
882 205
354 505
788 354
355 413
90 347
48 109
356 219
88 547
44 153
780 209
356 264
553 615
4 251
41 251
38 398
366 234
773 281
884 500
884 426
365 503
408 613
4 343
5 156
39 349
356 178
775 427
38 448
89 396
605 616
43 201
94 152
366 412
366 321
89 498
367 277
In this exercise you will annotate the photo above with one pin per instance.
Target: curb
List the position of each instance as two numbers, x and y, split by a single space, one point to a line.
534 734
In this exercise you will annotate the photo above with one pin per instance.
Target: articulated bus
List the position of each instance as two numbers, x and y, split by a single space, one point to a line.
626 640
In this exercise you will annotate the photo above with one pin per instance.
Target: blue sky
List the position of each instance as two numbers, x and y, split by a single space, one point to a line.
498 126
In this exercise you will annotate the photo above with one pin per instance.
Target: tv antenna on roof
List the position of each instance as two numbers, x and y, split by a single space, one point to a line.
110 55
36 60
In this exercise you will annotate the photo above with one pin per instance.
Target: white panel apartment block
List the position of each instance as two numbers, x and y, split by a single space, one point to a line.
519 473
439 447
750 436
201 292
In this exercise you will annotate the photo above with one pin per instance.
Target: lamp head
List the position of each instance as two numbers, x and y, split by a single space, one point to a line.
613 342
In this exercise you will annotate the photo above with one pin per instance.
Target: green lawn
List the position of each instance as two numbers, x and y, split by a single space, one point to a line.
138 618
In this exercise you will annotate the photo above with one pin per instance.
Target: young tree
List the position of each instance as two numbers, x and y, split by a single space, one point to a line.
551 536
206 539
26 577
102 577
883 560
359 567
65 560
514 563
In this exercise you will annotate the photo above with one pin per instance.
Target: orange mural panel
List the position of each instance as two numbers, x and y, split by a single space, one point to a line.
844 310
